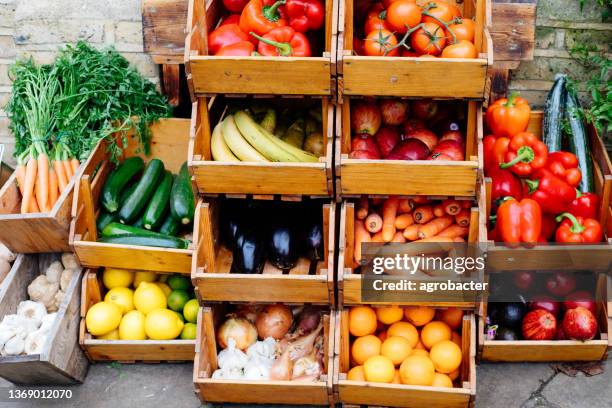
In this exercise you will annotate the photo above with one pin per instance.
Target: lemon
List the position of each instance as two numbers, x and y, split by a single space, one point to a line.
122 297
190 310
112 335
164 287
102 318
189 331
144 276
163 324
132 326
117 278
148 297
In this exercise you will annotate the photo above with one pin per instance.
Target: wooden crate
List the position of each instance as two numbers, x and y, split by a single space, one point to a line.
399 395
61 360
408 177
126 351
214 282
208 74
212 177
255 392
551 257
349 282
169 143
409 76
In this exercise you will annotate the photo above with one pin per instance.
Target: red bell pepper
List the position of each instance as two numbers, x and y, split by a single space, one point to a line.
565 166
585 205
225 35
231 19
553 194
305 15
507 117
504 184
235 6
519 222
578 229
526 154
549 226
494 149
239 49
260 18
284 42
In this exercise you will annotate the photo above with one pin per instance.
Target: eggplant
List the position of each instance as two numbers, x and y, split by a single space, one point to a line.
504 333
283 247
313 242
249 254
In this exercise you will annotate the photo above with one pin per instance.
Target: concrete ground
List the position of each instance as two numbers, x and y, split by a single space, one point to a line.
170 386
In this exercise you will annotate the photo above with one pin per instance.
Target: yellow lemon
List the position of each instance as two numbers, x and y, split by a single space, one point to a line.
117 278
163 286
132 326
149 297
122 297
113 335
102 318
144 276
163 324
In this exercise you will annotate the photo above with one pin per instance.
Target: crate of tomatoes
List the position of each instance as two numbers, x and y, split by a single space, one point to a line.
415 48
282 47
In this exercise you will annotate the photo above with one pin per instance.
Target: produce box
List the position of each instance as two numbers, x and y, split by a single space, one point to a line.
127 351
423 176
169 142
349 278
60 361
212 390
307 281
552 257
258 178
209 74
359 392
413 76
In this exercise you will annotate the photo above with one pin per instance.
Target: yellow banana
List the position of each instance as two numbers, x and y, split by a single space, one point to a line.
237 144
301 155
260 141
218 148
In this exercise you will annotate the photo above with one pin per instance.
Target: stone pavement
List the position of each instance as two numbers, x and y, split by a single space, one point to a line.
169 386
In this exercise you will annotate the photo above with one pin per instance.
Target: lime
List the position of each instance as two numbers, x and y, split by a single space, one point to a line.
190 310
180 315
177 300
189 331
179 282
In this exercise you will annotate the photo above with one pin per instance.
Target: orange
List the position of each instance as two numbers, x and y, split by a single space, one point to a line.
420 352
435 332
456 338
419 345
382 335
446 356
405 330
362 321
379 369
419 315
442 380
365 347
396 348
451 316
389 314
396 378
356 374
454 375
417 370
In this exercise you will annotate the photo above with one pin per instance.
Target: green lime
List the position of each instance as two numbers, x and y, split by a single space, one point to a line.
177 300
189 331
180 315
190 310
179 282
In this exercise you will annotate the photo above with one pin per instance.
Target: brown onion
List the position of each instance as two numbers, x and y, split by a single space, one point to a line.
240 329
274 321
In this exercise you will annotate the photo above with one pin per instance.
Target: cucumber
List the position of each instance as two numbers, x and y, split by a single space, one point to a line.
139 223
182 201
161 241
552 124
115 228
170 226
104 219
147 185
126 192
117 180
158 205
579 143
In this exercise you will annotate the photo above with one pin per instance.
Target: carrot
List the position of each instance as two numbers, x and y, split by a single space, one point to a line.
373 223
377 237
398 237
363 208
53 188
463 218
452 207
410 233
28 185
466 204
423 214
42 184
405 206
438 210
421 200
67 169
389 212
74 165
20 173
436 239
435 226
403 220
62 180
458 239
361 236
454 231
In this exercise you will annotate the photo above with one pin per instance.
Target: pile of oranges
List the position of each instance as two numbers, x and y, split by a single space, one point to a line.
414 345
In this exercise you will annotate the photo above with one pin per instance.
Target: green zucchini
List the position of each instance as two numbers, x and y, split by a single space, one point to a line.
182 201
552 123
115 228
117 180
170 226
158 205
139 223
161 241
104 219
147 185
579 143
126 192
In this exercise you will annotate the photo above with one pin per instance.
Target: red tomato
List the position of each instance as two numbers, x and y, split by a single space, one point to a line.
373 19
430 39
403 14
439 10
387 3
463 30
408 53
455 10
463 49
358 46
380 41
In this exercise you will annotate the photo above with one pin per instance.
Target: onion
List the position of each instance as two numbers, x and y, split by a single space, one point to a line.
274 321
249 311
309 320
239 329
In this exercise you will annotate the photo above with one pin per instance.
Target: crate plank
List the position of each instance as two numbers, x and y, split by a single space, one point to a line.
163 26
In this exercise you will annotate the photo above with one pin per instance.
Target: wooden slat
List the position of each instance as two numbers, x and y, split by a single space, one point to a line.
163 26
513 30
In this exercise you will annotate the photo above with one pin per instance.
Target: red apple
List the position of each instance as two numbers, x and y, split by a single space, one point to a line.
561 283
412 124
428 137
365 117
451 148
523 279
386 139
440 156
446 124
580 298
364 141
393 111
364 154
424 109
455 135
539 325
545 303
579 324
410 149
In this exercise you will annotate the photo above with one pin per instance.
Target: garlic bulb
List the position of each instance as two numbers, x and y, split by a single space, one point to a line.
47 322
231 357
6 333
228 374
16 344
265 349
54 271
256 372
19 322
33 312
35 342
